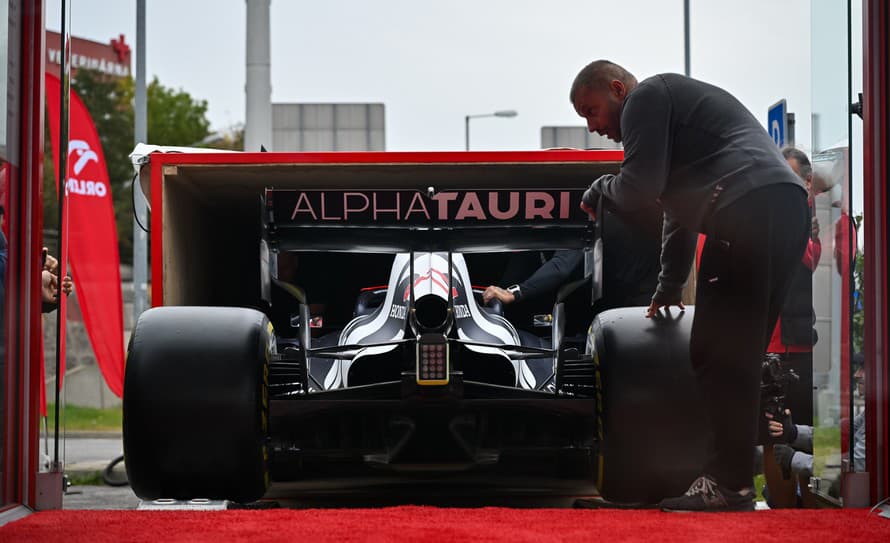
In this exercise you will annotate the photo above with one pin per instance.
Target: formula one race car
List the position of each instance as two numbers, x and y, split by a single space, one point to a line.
370 353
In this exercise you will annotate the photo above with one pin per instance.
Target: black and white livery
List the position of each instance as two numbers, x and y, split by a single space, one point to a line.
433 284
379 359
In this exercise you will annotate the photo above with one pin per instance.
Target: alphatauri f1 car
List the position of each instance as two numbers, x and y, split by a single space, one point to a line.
363 347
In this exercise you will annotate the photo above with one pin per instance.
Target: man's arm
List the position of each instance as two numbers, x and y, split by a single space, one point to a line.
804 440
677 251
799 436
551 275
792 461
646 134
797 456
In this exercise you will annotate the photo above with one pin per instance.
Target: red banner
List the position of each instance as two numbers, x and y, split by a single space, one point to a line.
92 235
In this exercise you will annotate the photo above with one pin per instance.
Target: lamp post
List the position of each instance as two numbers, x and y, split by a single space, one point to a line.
502 113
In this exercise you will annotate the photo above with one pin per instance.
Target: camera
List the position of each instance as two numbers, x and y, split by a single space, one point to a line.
773 380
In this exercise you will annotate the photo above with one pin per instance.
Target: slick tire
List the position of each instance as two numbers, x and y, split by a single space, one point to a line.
195 405
651 420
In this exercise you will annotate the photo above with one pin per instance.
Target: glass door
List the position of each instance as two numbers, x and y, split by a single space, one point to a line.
838 420
4 249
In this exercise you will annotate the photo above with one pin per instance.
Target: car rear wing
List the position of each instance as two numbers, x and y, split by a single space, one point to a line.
405 220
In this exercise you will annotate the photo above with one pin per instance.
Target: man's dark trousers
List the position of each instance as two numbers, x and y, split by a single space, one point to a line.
752 250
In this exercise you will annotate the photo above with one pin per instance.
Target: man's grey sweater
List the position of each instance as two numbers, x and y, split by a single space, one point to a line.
695 149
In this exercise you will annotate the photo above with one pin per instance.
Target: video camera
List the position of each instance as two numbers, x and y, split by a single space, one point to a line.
773 380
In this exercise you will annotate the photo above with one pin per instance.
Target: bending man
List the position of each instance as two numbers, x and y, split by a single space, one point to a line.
695 149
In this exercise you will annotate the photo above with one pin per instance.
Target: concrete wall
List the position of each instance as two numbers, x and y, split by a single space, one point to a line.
328 127
574 136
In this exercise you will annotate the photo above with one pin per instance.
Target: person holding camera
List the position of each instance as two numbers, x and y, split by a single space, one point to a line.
696 150
794 336
793 448
794 445
791 348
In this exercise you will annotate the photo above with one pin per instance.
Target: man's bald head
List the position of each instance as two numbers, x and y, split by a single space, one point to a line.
598 74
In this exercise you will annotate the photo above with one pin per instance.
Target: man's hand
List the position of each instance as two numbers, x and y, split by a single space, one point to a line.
589 202
589 211
50 263
815 228
775 427
67 285
655 306
49 287
782 430
503 295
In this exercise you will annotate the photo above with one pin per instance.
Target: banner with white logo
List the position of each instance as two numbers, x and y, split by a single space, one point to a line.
92 235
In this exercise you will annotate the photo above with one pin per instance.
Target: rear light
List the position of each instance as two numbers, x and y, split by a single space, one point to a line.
432 360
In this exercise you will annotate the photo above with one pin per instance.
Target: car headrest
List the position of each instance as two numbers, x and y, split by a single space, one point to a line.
368 301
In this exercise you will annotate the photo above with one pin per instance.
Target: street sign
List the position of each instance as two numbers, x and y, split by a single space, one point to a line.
777 123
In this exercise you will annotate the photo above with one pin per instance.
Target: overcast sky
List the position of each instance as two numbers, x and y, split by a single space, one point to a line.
432 63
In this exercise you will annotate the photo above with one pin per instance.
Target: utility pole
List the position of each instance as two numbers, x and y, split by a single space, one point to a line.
688 71
258 89
140 243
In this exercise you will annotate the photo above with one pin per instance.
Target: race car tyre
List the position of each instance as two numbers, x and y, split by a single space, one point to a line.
195 404
651 420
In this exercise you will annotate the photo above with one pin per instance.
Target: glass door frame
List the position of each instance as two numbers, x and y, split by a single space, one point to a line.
18 486
876 147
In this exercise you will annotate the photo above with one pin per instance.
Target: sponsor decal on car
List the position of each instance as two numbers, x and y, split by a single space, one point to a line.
415 208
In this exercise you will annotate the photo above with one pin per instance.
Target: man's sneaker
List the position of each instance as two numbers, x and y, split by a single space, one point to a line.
706 495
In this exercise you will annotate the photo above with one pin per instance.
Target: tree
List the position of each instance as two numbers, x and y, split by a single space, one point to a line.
174 118
230 139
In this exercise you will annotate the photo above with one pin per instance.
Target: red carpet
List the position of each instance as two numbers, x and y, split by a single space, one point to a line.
431 524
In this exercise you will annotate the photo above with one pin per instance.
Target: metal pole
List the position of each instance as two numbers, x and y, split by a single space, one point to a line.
686 36
467 132
140 256
258 90
64 72
851 248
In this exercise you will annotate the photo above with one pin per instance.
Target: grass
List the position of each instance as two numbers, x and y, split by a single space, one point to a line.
759 483
827 437
76 418
826 446
86 479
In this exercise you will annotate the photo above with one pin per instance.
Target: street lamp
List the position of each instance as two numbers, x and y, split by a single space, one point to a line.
502 113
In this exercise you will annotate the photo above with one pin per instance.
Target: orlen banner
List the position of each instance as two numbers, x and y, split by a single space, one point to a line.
92 235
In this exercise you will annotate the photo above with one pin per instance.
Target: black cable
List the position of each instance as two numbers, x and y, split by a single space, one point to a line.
133 199
108 474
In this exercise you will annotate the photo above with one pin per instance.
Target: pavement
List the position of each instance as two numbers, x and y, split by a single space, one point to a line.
85 452
85 456
98 497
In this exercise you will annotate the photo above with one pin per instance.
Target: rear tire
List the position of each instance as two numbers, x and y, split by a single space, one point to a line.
195 404
652 422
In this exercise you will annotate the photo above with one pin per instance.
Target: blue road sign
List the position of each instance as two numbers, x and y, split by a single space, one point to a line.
777 121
